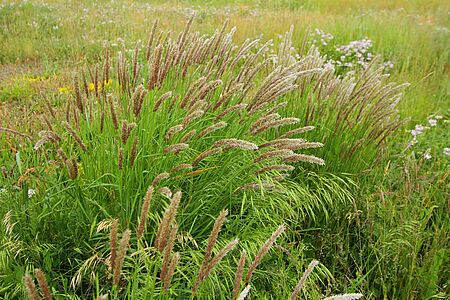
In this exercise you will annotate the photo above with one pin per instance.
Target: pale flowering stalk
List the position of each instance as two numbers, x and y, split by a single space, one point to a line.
31 288
175 148
244 292
144 212
43 284
279 167
263 120
297 131
304 158
172 131
112 109
302 280
194 86
181 167
74 135
281 143
161 100
206 154
113 243
171 270
238 275
192 116
120 159
345 297
231 109
188 136
275 124
159 178
168 251
121 256
208 251
165 191
264 249
235 144
168 218
274 154
133 151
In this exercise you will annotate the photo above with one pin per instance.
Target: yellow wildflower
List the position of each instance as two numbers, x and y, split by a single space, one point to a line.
63 90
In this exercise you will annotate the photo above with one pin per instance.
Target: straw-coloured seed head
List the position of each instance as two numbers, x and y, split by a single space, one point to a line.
235 144
280 167
43 284
262 252
206 154
31 288
304 158
302 280
192 116
144 212
188 136
345 297
274 154
121 256
211 129
181 167
159 178
173 130
297 131
175 148
165 191
168 218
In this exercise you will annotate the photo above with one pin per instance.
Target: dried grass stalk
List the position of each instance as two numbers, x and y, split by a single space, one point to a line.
181 167
211 129
206 154
159 178
31 288
238 275
345 297
172 130
161 99
133 151
168 251
168 218
302 280
171 270
121 256
235 144
74 135
43 284
264 249
144 212
175 148
113 243
188 136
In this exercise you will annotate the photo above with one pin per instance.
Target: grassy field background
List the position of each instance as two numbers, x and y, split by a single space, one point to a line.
378 222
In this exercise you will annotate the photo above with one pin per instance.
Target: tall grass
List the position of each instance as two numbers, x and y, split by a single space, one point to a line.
91 174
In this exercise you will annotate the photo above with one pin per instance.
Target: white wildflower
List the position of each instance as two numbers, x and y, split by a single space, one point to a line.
31 193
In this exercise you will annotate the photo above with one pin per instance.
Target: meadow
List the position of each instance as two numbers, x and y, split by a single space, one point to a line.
224 149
